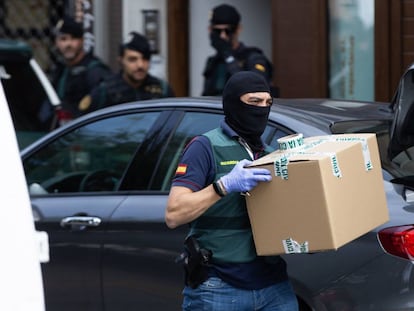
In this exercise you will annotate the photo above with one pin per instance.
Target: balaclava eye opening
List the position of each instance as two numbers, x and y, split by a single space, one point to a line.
247 120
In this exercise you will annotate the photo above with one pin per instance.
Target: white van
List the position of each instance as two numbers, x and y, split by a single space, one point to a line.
20 271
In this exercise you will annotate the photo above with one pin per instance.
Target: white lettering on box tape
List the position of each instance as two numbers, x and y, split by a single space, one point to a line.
293 247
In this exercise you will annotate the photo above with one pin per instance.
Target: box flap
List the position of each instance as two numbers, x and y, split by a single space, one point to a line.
314 148
294 148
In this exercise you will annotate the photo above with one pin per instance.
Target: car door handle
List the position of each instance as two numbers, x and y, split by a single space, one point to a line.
83 221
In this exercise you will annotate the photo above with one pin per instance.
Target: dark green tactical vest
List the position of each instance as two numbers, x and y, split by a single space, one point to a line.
225 227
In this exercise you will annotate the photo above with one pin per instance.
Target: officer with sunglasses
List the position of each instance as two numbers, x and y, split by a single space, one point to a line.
232 55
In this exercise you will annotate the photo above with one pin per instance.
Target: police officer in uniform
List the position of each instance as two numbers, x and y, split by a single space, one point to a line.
232 55
223 271
133 82
79 72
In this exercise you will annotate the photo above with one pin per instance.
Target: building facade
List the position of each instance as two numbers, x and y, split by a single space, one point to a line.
354 49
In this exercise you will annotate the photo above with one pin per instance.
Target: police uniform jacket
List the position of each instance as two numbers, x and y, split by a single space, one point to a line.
218 71
73 83
115 90
225 228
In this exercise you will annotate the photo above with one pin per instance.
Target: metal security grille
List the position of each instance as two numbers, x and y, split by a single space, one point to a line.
32 21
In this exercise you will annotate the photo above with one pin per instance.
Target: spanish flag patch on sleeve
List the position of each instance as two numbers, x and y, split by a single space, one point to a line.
181 169
260 67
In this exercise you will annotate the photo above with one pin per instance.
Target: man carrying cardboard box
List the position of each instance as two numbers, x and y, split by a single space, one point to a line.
223 271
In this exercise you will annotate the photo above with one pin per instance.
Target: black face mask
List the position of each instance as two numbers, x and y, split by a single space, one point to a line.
249 122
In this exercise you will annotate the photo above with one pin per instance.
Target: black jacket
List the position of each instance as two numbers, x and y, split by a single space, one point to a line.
73 83
217 71
115 90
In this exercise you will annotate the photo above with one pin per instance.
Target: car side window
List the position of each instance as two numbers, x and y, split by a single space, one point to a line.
90 158
272 134
193 124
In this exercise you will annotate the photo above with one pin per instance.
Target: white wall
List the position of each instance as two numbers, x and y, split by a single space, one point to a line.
100 29
133 21
256 31
255 21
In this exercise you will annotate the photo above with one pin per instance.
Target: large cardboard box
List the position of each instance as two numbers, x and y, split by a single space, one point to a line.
324 193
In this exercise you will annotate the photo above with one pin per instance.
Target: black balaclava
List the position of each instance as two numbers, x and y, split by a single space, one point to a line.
247 120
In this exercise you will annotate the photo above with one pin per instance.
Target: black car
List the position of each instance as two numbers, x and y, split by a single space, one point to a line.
99 187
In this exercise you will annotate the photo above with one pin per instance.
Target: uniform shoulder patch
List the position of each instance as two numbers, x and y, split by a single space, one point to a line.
85 103
260 67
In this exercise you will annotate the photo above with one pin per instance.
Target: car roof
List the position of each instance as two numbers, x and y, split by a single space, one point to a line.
328 109
324 113
321 113
313 116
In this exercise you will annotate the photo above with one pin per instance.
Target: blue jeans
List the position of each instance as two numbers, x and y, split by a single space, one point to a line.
216 295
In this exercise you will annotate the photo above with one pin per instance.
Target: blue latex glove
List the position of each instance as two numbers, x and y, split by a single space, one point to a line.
242 179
